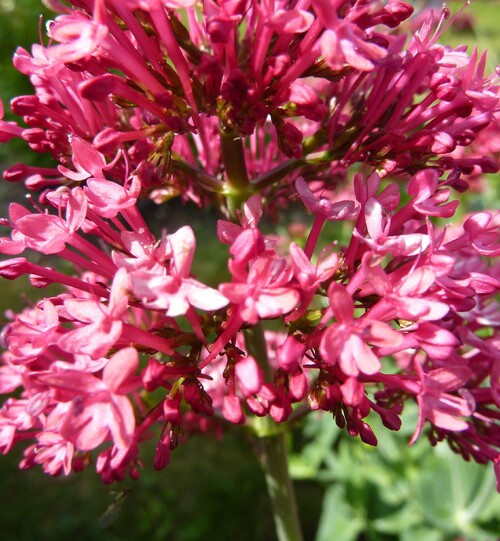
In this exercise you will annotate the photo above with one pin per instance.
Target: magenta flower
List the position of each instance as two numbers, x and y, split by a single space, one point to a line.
346 341
254 110
265 293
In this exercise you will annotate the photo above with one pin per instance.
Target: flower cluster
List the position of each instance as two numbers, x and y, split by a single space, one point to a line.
341 106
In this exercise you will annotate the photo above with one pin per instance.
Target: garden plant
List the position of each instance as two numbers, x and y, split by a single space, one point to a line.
353 113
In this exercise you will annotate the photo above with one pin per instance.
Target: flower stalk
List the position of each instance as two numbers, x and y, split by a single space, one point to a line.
273 453
274 461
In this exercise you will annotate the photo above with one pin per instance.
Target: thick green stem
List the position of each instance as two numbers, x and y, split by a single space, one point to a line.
274 460
234 159
238 184
273 453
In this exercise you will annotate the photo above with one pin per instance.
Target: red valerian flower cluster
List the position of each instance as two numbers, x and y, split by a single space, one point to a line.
248 106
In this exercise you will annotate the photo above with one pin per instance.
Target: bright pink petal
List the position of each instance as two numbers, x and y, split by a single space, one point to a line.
249 375
84 310
121 421
93 339
120 369
382 335
341 303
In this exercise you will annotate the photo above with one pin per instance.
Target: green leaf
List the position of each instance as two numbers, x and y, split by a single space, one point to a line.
422 534
338 520
405 518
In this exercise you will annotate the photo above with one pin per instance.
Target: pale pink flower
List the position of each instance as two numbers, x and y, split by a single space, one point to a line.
98 408
176 291
48 233
437 404
32 332
101 325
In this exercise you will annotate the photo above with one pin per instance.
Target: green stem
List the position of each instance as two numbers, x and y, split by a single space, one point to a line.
273 452
279 172
256 345
274 461
238 188
234 159
206 181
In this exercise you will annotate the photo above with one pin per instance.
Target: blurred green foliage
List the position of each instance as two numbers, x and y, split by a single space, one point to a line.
395 492
20 28
213 490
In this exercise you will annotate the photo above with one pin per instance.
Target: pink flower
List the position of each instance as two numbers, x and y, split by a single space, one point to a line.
48 233
308 275
87 160
291 21
102 325
176 291
246 107
344 42
97 408
265 293
227 232
32 332
439 406
289 353
346 341
381 242
408 293
8 130
107 198
427 199
78 35
232 411
249 375
13 417
53 452
339 210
